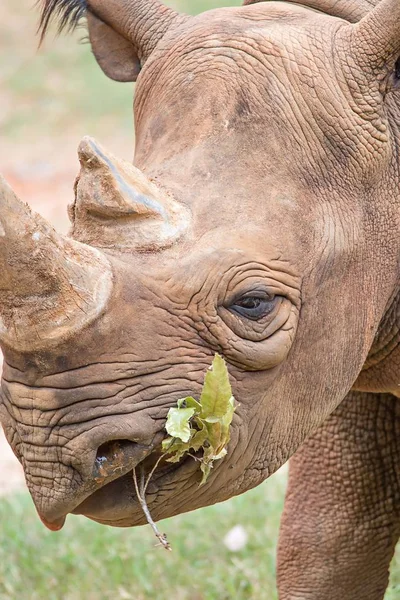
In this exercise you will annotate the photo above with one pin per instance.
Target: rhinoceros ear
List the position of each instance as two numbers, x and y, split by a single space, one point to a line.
50 286
375 42
117 207
123 33
115 54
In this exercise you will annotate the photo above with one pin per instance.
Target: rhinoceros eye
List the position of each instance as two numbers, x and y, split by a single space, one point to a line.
254 306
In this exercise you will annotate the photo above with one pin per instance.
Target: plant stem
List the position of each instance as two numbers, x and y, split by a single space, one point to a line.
141 497
144 487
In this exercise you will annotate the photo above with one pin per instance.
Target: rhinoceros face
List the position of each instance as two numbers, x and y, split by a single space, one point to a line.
257 232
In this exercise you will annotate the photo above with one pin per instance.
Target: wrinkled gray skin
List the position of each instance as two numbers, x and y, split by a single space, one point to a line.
271 133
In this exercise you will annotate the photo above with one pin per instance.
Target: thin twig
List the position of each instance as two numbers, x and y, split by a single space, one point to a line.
151 473
196 458
140 494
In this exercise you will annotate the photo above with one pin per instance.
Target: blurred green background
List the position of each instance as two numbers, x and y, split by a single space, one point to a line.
60 86
49 99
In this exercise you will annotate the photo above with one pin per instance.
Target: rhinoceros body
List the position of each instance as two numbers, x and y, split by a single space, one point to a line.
260 220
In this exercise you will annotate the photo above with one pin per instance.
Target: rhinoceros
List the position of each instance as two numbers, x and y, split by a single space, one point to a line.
259 220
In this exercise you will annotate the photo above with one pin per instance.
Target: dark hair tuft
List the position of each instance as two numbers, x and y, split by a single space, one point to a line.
67 12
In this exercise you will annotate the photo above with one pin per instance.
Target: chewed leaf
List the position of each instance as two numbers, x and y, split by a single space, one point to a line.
226 422
176 448
178 451
195 427
178 423
216 392
206 470
189 402
208 462
202 427
199 438
221 454
167 444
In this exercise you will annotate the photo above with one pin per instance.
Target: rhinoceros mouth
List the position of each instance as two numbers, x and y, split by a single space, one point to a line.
113 461
116 502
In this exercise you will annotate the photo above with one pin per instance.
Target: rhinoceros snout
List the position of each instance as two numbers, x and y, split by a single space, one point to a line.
78 477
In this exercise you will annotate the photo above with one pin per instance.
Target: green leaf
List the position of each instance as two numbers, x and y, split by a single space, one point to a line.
206 470
179 452
200 437
189 402
217 392
208 462
176 448
167 444
221 454
178 425
202 426
226 422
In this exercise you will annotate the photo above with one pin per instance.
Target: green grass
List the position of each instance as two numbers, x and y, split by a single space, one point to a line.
196 6
87 561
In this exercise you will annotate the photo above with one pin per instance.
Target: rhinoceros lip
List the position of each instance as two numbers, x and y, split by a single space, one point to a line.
117 468
55 525
97 504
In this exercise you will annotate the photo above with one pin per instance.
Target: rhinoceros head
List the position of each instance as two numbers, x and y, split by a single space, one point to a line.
260 221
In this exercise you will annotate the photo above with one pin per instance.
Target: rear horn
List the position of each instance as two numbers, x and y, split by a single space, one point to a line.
118 208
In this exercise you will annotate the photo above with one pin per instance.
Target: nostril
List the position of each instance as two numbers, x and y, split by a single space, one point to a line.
115 457
111 450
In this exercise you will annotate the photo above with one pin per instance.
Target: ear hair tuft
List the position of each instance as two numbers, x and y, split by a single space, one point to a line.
68 13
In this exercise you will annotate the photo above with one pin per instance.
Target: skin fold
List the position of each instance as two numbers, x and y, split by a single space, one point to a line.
341 520
266 176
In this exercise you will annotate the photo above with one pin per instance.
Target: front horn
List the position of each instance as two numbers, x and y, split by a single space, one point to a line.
118 208
50 286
